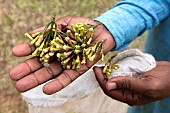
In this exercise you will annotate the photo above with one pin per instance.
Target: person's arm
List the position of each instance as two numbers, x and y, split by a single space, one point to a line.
125 21
130 18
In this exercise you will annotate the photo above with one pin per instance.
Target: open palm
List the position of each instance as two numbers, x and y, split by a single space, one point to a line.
30 73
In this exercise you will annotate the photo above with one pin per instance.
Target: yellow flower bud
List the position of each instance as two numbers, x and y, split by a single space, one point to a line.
28 36
38 42
90 32
35 34
77 59
92 57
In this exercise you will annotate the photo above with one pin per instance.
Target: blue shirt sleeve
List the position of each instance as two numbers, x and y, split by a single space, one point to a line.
128 19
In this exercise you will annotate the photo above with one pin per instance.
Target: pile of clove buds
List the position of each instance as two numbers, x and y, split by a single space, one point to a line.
71 48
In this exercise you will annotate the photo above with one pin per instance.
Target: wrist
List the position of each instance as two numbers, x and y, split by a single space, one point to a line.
110 42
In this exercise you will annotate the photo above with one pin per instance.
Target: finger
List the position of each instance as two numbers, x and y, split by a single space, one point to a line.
117 93
38 77
128 83
25 68
23 50
64 79
162 63
100 78
63 22
129 97
37 30
109 42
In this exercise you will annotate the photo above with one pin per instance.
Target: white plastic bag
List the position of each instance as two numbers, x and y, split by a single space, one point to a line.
80 88
132 62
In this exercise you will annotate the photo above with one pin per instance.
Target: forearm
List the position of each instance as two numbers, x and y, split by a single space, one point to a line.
130 18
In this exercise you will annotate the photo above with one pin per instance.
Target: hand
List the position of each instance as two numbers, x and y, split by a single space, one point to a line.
152 86
31 73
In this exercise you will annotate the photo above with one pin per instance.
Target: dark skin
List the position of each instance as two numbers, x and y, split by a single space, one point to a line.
153 85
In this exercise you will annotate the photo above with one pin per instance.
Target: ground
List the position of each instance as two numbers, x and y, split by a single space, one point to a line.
20 16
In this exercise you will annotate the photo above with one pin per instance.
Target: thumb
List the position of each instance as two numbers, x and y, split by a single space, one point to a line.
64 22
128 83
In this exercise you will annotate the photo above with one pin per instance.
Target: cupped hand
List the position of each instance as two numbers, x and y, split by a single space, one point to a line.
30 73
152 86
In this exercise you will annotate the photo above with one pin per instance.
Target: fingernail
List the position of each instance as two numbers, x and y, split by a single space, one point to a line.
111 86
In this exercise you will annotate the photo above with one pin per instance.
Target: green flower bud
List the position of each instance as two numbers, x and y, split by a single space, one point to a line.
77 47
66 47
69 33
59 40
74 42
28 36
46 49
73 64
102 57
76 51
109 70
73 27
64 62
34 40
77 37
42 53
68 66
94 47
38 42
47 56
78 65
92 57
115 66
90 54
52 49
67 39
46 60
88 51
77 59
41 46
89 41
104 69
51 54
82 31
90 32
67 53
83 60
59 47
35 34
36 52
59 55
83 45
107 75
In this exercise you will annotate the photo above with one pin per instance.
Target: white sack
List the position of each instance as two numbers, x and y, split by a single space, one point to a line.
132 62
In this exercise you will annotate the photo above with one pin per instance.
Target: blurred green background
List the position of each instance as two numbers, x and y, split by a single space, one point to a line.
20 16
